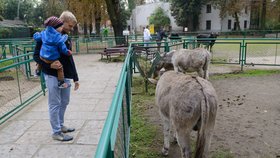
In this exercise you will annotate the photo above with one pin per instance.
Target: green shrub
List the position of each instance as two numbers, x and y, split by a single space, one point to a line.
5 32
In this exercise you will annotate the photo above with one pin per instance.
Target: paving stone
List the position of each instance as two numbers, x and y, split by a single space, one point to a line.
103 105
66 151
91 132
86 115
17 151
35 115
28 134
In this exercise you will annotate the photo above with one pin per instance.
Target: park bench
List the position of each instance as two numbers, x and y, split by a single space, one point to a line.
114 51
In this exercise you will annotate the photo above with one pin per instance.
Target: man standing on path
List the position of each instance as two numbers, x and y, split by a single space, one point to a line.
58 99
146 35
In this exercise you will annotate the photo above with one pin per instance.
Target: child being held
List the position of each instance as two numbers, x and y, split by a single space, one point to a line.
53 43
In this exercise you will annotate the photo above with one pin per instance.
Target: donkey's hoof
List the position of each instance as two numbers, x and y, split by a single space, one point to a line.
164 151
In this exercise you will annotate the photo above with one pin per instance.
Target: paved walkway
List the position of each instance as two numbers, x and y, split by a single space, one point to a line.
28 134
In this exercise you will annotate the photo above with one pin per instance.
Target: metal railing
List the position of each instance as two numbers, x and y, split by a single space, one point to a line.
18 87
114 141
16 77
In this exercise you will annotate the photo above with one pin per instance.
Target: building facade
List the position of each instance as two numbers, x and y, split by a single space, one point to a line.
209 21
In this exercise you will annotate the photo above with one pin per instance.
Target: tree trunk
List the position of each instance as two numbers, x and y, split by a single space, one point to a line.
114 11
263 15
90 28
97 23
75 31
85 28
190 23
237 21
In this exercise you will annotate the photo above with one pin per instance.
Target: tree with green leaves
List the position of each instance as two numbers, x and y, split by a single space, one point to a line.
118 16
232 8
159 18
186 12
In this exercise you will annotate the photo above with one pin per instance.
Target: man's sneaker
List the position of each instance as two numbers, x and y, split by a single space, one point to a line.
65 129
62 137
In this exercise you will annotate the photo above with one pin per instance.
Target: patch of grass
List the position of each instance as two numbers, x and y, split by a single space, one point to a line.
222 154
219 60
246 73
6 63
144 137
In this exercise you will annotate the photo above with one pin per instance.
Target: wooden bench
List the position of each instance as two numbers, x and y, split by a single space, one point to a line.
108 52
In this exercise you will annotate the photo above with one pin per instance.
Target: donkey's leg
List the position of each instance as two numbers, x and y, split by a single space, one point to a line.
173 134
201 73
166 133
176 68
206 74
184 142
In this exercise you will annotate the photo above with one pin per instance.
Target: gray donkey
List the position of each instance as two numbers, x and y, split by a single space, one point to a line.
185 101
186 60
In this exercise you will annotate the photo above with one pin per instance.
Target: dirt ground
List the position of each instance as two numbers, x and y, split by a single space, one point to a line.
248 118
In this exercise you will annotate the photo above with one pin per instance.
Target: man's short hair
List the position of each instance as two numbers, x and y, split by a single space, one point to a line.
67 16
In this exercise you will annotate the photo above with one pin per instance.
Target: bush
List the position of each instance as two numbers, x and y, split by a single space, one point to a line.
5 32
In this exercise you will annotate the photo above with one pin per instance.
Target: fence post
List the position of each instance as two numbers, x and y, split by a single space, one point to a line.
4 52
25 65
77 46
166 47
243 46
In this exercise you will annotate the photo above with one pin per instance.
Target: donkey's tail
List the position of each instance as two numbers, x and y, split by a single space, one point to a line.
208 114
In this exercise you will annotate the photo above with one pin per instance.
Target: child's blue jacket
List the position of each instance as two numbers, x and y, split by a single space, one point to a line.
53 43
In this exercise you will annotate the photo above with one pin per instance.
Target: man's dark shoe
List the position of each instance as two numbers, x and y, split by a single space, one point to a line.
62 137
65 129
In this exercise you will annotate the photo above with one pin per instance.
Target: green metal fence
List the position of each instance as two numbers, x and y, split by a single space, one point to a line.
114 141
18 87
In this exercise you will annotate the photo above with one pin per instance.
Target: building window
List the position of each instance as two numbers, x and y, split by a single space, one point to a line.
229 24
208 25
246 10
208 8
245 24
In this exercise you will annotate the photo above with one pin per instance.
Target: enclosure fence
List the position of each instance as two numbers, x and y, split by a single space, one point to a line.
18 87
114 141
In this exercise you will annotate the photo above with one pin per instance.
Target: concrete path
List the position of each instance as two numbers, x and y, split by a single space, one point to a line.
28 134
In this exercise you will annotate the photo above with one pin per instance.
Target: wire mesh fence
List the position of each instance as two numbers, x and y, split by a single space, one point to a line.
18 85
122 138
263 53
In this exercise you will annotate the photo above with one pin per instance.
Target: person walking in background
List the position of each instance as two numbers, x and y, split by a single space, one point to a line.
58 99
146 35
53 45
160 35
